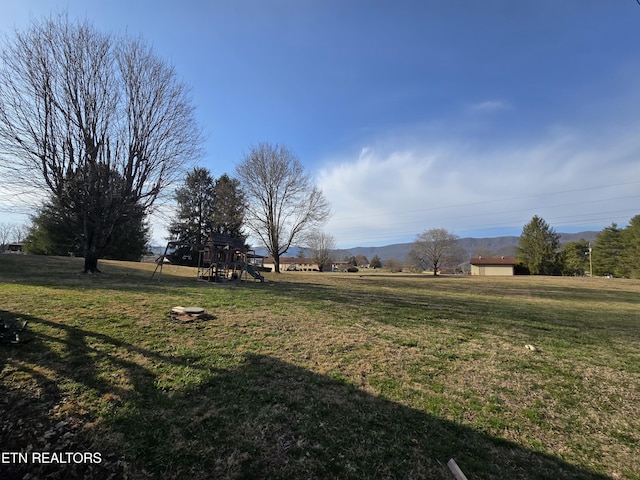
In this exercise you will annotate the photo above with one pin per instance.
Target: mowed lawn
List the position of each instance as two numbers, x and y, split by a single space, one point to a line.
346 376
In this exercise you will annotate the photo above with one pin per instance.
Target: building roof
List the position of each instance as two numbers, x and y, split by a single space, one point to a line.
222 240
492 261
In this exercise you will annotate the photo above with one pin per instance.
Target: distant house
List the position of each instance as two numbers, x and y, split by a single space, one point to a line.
292 264
338 266
495 266
16 247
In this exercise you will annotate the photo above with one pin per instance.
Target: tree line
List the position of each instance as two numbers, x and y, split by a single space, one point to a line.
615 252
206 206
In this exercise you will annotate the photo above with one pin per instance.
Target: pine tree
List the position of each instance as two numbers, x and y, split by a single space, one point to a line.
228 208
575 258
538 248
194 216
609 252
632 247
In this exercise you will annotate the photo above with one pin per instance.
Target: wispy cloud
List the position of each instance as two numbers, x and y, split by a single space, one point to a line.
490 106
390 194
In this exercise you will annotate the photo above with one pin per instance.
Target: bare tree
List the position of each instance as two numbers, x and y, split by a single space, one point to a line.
361 260
393 265
99 122
322 246
282 201
433 248
20 232
6 229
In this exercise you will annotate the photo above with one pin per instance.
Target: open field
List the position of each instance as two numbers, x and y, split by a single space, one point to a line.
345 376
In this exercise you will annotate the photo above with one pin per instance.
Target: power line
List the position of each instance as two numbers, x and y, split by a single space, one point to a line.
587 219
510 199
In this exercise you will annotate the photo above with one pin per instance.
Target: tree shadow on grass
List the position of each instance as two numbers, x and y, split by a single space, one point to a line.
41 380
257 418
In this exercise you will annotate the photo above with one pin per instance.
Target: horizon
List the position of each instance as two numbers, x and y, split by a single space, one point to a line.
295 248
410 116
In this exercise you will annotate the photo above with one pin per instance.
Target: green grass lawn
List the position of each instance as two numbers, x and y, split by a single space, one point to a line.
346 376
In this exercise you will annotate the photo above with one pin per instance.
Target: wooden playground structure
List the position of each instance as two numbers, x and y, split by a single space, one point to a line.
225 258
222 258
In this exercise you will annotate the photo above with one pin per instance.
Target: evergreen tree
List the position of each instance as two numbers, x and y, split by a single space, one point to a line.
54 231
376 262
229 207
205 206
194 216
632 247
575 258
130 240
538 248
609 252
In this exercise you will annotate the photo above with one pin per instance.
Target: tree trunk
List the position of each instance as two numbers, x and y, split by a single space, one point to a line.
91 259
276 263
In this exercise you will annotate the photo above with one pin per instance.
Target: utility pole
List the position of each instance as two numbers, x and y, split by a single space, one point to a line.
590 262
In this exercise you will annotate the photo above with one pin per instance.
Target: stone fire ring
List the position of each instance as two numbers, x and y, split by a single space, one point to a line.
187 314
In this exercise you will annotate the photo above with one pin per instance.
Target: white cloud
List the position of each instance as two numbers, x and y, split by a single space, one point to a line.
572 179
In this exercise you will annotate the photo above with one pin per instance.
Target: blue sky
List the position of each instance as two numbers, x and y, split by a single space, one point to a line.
411 115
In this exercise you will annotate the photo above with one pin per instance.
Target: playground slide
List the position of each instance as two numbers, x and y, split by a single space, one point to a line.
251 271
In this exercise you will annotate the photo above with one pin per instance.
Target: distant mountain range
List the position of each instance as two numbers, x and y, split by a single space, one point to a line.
496 246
